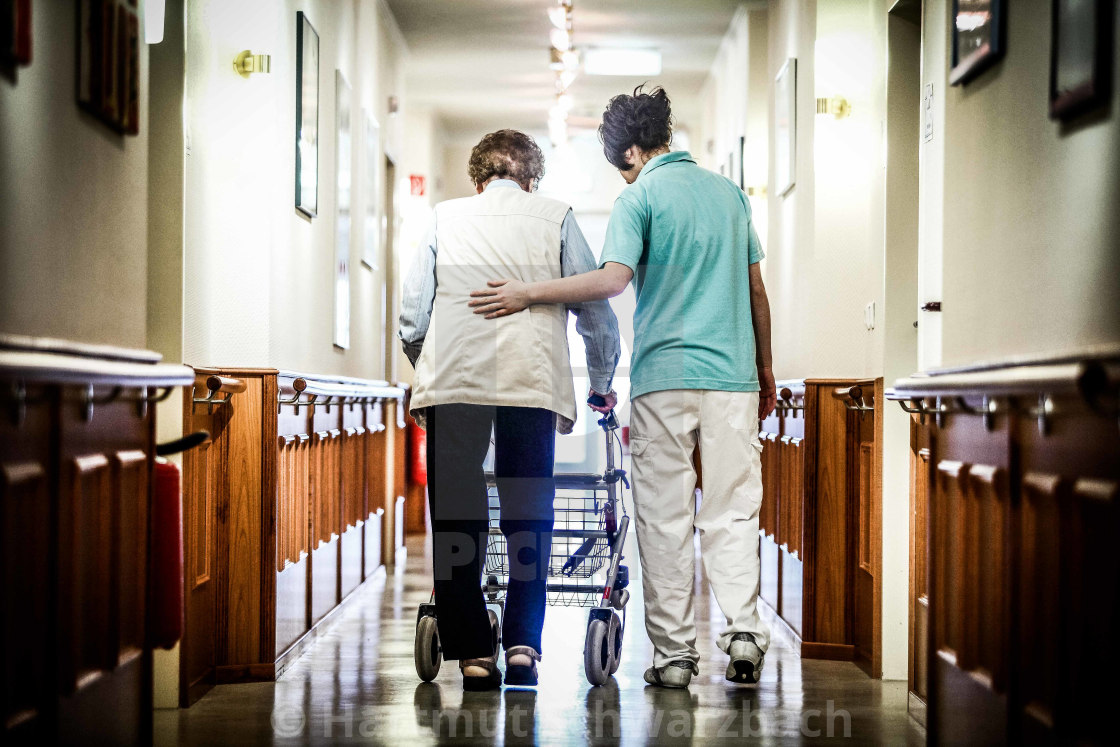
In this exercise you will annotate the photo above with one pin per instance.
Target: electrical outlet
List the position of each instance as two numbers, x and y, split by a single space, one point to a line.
869 316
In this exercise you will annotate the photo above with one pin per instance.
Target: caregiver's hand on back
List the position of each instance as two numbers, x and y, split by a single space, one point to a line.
501 298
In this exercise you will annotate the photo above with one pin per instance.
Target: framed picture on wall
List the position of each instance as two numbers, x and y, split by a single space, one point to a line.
785 127
307 117
371 213
15 34
343 217
1080 56
977 38
108 58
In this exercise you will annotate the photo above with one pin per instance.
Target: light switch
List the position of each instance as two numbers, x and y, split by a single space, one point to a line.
869 315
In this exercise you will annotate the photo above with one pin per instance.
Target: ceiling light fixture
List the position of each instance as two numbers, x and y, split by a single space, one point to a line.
564 60
561 14
564 79
622 62
561 39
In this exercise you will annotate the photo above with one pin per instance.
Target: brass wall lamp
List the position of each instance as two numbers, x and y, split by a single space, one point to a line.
248 63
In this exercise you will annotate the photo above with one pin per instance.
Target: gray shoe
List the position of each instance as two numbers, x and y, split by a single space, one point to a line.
746 659
674 674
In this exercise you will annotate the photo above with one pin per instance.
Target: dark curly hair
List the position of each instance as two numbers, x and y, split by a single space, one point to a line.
642 119
507 154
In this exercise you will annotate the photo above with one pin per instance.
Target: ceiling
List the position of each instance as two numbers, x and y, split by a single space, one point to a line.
483 64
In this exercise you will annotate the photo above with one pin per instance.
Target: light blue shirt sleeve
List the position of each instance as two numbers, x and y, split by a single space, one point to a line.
418 297
626 234
595 321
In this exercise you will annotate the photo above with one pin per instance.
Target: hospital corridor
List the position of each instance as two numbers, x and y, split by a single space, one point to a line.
559 372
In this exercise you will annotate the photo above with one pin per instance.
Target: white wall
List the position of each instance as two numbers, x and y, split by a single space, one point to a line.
792 27
73 218
259 275
931 179
1031 216
900 338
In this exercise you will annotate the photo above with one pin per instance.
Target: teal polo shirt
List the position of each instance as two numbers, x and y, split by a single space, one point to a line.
686 233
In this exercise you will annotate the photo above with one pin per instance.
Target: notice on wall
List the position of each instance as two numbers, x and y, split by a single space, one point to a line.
927 113
418 185
343 216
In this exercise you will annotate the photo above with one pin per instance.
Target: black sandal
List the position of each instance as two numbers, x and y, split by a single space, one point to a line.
493 677
490 681
519 674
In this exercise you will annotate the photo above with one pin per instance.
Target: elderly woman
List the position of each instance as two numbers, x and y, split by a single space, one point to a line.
512 377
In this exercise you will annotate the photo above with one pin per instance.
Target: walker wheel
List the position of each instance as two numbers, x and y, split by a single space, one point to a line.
427 652
596 653
614 642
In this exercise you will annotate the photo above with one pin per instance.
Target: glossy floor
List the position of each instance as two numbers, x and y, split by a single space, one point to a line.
358 683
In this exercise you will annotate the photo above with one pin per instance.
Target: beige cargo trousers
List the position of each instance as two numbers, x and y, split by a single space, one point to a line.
665 428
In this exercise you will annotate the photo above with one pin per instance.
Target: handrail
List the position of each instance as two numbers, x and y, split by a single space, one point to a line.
27 344
225 385
29 364
1093 380
215 385
304 390
1063 378
796 387
68 369
853 398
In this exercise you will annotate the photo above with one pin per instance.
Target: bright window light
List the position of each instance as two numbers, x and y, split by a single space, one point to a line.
622 62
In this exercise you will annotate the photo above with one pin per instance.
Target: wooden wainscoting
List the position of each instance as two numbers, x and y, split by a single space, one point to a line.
285 510
77 436
1016 488
820 520
918 659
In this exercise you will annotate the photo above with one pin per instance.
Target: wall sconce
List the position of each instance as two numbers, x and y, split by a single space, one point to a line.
247 63
837 106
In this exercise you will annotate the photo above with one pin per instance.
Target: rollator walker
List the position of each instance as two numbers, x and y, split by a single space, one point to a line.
584 568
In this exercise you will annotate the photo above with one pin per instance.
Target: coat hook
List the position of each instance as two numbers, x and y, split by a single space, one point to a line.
19 402
1045 407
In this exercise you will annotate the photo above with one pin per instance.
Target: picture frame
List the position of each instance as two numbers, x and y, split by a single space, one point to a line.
15 34
785 127
1080 56
977 38
371 217
307 116
108 63
343 216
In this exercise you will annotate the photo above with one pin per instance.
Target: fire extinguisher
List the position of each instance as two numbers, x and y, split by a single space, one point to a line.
417 454
167 544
